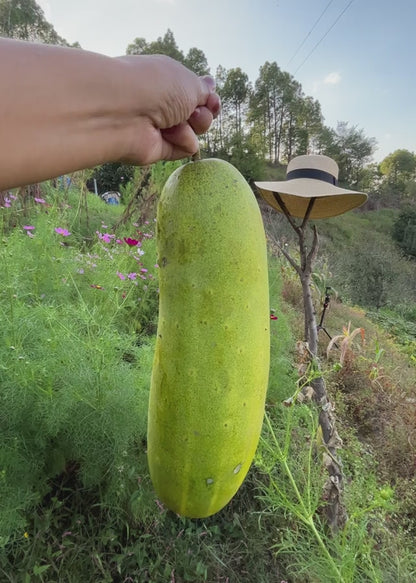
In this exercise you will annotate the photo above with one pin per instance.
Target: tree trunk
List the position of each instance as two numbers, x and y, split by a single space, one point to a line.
311 331
334 508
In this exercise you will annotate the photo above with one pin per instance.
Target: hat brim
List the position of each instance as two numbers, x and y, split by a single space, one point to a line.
296 194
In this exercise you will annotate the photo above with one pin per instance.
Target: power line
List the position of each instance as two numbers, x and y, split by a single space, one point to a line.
324 36
310 32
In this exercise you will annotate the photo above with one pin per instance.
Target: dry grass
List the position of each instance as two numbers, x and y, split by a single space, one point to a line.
373 389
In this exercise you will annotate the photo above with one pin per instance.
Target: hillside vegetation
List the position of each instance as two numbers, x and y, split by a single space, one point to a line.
78 300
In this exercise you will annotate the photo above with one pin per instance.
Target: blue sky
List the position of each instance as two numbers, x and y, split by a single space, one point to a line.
362 72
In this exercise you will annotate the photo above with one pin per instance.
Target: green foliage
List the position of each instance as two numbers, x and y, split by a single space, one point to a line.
289 458
397 184
161 172
402 326
81 212
75 374
234 93
244 157
368 273
76 349
166 45
404 230
197 61
351 149
267 104
401 164
373 273
282 371
111 176
25 20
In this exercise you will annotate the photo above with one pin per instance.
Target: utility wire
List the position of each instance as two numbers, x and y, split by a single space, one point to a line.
324 36
310 32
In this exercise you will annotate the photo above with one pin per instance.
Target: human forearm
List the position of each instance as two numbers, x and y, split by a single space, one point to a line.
65 109
61 110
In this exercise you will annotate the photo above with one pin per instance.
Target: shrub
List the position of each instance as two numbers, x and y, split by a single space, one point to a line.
372 273
404 230
111 176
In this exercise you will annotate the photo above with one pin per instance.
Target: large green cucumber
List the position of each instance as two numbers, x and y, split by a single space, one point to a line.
211 362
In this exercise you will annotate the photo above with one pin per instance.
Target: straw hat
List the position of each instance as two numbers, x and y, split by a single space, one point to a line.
311 177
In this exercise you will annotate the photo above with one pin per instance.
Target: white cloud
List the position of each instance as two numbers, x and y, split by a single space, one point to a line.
332 79
318 86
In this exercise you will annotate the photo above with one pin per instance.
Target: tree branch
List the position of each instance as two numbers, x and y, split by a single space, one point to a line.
292 262
285 211
290 259
308 212
314 249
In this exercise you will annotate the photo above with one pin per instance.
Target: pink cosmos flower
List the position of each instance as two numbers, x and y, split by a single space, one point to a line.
121 276
131 242
61 231
106 237
132 276
28 227
39 200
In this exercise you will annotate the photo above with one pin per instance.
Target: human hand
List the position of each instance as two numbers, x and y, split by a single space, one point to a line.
135 109
172 107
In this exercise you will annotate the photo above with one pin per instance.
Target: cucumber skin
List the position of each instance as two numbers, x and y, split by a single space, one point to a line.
212 353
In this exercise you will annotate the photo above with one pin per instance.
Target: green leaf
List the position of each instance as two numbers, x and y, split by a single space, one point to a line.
39 569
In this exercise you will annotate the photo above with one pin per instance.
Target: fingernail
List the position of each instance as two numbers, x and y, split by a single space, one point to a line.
210 83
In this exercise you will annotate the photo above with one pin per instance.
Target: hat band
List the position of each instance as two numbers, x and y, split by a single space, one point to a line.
312 173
